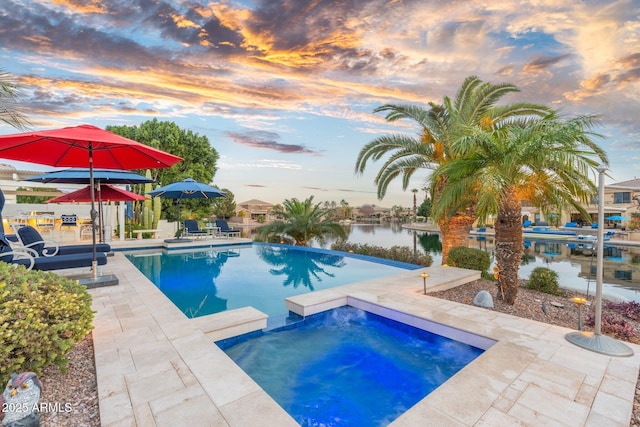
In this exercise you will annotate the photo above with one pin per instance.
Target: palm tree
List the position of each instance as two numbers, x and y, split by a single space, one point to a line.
441 125
301 222
9 110
548 162
345 209
415 205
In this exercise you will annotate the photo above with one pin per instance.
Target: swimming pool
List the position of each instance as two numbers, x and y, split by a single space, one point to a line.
348 367
216 279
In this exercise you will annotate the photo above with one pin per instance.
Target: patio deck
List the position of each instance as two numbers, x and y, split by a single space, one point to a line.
157 367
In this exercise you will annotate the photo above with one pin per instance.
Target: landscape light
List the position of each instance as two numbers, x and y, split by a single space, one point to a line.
424 281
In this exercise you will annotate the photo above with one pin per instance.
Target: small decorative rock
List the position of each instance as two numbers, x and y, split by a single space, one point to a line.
483 299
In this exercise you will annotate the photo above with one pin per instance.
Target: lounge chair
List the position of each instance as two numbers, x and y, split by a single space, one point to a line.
225 230
191 229
30 238
30 259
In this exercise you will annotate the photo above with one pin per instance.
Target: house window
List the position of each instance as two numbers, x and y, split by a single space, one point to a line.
623 197
622 275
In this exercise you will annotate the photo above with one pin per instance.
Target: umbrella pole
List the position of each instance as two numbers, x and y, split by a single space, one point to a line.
100 213
94 261
180 234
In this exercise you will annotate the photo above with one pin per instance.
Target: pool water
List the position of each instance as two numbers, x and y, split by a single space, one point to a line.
348 367
212 280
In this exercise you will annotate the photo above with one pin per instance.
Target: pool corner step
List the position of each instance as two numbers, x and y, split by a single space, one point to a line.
230 323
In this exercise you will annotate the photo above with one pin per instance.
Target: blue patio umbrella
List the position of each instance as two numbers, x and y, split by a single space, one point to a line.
617 218
186 189
81 176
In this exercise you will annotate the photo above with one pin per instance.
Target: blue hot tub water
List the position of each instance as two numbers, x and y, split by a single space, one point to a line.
348 367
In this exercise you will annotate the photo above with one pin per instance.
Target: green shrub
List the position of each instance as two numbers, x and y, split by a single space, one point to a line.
472 259
544 280
395 253
42 316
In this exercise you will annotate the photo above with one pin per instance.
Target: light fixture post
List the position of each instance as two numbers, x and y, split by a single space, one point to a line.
579 301
424 281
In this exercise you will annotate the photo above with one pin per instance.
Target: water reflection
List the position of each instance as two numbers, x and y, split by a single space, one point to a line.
575 262
308 268
170 277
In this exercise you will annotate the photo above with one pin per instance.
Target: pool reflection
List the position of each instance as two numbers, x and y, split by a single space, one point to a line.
309 268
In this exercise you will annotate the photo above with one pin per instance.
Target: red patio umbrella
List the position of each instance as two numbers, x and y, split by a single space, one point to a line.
104 192
83 146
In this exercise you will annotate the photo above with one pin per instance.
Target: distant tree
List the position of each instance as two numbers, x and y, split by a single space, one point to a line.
224 207
9 109
415 204
199 159
345 209
35 199
425 208
277 211
366 210
303 221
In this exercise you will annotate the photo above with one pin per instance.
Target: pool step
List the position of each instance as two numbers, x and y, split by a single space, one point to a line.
230 323
442 277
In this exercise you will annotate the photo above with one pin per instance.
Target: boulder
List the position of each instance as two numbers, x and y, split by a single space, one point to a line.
483 299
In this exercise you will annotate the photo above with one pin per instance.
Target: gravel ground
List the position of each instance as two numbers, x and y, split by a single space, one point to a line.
72 396
78 390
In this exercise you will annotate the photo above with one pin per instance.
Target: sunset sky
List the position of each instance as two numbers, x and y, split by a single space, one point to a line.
285 89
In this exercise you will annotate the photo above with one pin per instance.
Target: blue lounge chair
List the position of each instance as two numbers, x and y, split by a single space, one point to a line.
225 230
191 229
30 238
30 259
527 223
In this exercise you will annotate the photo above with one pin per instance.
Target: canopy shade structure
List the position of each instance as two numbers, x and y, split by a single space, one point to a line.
83 146
186 189
102 192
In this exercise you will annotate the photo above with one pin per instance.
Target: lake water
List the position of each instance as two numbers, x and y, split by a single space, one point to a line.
575 264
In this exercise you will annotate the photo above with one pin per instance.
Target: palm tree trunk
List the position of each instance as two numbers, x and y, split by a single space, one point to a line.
509 247
454 233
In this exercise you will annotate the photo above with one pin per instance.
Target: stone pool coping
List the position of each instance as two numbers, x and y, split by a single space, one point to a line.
154 366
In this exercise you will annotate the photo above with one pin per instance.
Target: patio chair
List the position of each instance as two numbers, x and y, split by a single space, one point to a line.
45 223
225 230
191 229
30 238
68 222
31 261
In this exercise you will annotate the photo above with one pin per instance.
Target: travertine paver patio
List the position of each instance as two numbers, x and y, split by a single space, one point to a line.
156 367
